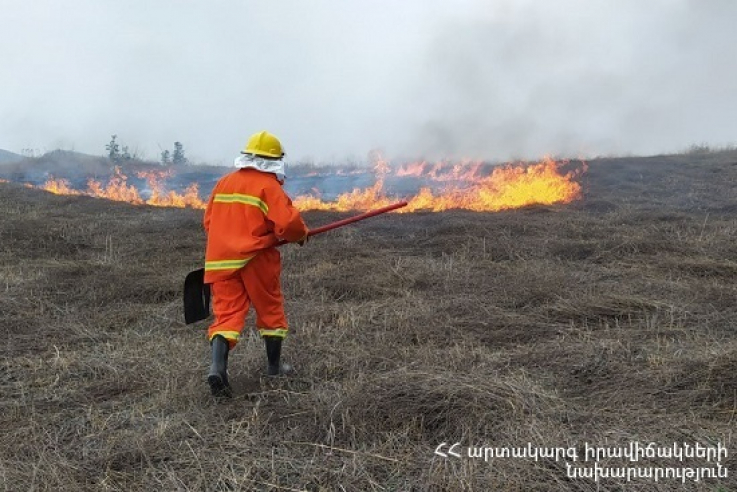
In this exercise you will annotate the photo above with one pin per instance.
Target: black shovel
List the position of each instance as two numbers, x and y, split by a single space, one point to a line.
197 292
196 297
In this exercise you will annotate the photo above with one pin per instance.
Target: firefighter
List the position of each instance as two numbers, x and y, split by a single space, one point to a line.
247 213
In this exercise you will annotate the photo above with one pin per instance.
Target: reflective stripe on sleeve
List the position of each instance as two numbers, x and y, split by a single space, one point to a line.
225 264
241 198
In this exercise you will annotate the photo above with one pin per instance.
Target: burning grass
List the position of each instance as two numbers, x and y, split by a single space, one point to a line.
550 325
466 188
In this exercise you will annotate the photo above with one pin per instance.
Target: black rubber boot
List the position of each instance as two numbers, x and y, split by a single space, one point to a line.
218 377
273 354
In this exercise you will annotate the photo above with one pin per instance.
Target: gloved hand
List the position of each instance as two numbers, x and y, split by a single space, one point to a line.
303 241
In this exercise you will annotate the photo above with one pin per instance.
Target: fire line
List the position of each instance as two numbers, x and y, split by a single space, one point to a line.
506 187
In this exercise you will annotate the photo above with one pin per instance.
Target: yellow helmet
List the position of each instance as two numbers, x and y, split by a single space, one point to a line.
264 144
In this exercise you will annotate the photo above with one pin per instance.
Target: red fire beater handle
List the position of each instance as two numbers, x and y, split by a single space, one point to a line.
350 220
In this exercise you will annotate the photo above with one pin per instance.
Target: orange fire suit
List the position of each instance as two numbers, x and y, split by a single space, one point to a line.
247 213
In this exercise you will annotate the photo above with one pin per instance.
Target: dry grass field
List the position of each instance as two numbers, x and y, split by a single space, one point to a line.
608 321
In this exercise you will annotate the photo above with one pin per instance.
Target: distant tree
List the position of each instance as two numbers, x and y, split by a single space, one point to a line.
113 149
125 156
166 158
177 157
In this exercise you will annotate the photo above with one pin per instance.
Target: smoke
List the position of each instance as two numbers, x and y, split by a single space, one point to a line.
474 78
579 78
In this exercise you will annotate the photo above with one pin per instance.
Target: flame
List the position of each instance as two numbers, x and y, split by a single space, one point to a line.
466 187
465 170
162 198
60 187
118 189
507 187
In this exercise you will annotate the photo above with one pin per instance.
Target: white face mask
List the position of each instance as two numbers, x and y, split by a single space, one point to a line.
245 161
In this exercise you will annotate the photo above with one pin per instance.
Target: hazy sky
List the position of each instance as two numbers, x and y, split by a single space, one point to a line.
335 79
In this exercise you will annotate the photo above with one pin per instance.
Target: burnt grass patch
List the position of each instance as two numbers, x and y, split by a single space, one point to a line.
605 321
